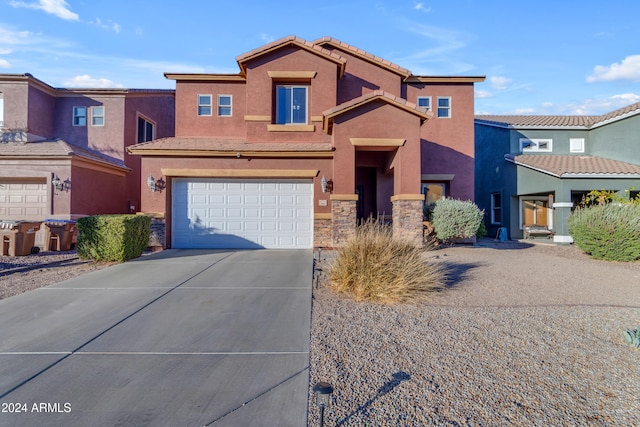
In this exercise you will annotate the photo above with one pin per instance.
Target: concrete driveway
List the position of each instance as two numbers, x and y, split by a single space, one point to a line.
179 338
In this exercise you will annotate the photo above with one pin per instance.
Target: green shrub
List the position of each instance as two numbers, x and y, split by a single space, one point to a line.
375 266
113 237
454 219
610 232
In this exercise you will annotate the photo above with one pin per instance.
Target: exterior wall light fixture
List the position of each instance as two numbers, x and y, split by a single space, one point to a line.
326 185
60 185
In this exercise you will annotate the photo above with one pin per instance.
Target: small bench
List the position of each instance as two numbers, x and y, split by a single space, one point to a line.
537 230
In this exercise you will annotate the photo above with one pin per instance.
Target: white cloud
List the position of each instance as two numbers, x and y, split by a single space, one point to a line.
421 7
266 38
524 111
86 81
4 63
110 25
499 83
5 51
59 8
628 69
480 94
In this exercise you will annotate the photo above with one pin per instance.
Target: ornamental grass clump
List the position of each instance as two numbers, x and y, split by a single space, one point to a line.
610 231
374 266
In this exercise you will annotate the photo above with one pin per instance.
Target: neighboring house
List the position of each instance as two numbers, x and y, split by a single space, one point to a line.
534 170
77 139
305 140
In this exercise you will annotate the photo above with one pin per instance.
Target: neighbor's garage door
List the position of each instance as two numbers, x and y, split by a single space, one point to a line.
242 213
23 198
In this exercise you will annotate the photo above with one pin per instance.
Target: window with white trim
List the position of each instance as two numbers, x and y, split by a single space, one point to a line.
97 116
204 105
496 208
79 116
576 145
532 145
146 130
224 105
291 105
424 102
444 107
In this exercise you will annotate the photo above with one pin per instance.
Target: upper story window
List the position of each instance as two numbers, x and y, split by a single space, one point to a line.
145 130
79 116
424 102
97 116
576 145
224 105
531 145
291 104
204 105
444 107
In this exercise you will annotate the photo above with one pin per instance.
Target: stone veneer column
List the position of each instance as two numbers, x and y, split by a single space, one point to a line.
322 230
343 218
407 217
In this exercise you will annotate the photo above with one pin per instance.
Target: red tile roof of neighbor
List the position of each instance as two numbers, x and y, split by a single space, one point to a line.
585 122
232 145
568 166
55 148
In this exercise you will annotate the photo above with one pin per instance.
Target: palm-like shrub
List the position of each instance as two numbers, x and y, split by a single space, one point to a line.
610 231
454 219
375 266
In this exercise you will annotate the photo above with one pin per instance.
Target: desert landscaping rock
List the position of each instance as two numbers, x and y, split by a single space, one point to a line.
524 335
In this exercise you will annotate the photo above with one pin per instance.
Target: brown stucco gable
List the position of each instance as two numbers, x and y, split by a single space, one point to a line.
377 95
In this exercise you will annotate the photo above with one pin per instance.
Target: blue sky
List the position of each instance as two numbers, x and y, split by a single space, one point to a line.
542 57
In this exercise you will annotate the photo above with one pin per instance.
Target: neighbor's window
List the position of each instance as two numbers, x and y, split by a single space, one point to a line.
576 145
224 105
145 130
291 104
424 102
97 116
444 107
204 105
496 208
79 116
434 191
544 145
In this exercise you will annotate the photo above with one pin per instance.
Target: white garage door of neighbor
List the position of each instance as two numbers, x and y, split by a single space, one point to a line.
23 198
242 213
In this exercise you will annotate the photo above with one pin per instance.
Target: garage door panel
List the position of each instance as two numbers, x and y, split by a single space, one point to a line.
242 213
23 198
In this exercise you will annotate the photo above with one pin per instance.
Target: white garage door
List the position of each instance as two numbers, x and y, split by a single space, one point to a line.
23 198
242 213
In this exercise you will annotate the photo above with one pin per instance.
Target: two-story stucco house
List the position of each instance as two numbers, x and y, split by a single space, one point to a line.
307 138
533 170
63 151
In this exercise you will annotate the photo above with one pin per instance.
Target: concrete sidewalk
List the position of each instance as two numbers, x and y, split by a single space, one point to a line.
183 337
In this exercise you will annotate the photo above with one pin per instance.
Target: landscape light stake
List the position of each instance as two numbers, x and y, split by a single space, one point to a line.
323 391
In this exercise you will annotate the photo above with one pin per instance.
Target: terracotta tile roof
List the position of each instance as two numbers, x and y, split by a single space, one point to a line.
585 122
55 148
568 166
362 54
290 40
231 145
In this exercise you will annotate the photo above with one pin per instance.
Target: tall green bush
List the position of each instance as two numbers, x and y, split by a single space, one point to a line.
454 219
610 231
113 237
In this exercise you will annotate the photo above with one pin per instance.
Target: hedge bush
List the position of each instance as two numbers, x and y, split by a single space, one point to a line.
610 232
113 237
454 219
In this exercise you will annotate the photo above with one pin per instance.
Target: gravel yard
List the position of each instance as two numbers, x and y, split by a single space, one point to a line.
524 335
